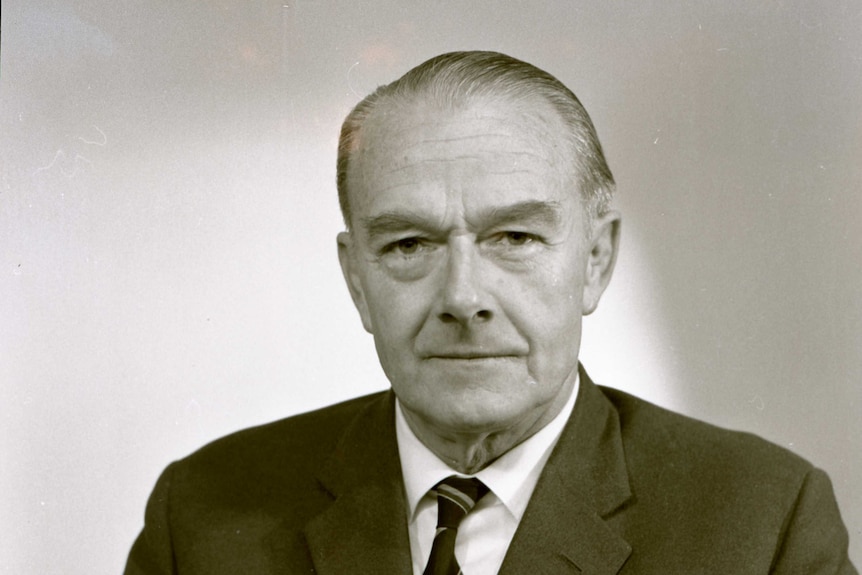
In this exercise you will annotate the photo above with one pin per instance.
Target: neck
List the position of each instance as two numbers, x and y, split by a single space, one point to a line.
465 453
470 452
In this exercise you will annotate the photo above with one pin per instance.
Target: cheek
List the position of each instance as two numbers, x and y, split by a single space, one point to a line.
397 310
546 311
550 295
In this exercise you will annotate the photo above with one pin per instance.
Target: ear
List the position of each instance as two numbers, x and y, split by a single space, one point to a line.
601 259
347 256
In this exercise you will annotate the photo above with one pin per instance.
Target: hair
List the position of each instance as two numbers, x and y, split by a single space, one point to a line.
459 78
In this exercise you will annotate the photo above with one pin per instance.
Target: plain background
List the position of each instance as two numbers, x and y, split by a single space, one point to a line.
168 270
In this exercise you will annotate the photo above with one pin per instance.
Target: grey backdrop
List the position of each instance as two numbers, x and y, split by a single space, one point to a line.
168 214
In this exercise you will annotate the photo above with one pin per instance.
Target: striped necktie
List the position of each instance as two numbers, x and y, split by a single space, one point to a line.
456 496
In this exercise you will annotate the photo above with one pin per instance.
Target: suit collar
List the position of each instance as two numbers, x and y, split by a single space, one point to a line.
365 528
563 530
585 481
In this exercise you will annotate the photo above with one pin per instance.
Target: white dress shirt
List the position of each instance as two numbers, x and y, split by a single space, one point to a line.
485 534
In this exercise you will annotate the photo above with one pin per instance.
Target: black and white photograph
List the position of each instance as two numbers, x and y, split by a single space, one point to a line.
430 288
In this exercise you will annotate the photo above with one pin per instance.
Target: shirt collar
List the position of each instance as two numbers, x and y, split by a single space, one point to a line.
511 478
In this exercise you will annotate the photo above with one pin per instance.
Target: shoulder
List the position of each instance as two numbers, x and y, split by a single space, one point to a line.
688 477
653 432
677 463
285 452
322 423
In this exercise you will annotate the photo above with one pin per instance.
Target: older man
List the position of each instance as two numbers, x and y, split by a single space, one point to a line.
479 233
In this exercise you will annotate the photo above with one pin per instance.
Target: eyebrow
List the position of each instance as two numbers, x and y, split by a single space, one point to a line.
396 222
546 213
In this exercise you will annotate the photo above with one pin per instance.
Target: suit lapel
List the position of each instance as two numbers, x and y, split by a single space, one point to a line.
563 530
365 528
585 481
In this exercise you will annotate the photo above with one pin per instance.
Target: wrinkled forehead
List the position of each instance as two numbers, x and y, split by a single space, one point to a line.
398 113
480 125
471 159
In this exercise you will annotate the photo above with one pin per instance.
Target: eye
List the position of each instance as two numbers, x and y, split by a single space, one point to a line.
408 258
516 238
407 245
404 247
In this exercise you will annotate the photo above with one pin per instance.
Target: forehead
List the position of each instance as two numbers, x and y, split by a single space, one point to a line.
488 150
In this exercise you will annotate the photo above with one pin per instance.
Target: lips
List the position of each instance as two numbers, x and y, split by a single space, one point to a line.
471 357
466 355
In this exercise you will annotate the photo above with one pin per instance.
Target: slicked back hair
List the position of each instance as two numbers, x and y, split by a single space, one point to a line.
459 78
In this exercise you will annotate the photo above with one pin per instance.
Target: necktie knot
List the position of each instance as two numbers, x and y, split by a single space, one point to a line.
456 496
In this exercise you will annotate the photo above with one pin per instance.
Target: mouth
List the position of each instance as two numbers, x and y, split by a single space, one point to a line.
471 356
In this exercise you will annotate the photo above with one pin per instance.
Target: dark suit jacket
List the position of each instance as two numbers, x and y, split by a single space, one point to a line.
630 488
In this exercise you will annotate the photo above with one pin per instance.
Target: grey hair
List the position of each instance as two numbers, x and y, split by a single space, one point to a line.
458 78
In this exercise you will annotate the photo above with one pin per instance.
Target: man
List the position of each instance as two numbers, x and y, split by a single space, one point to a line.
479 232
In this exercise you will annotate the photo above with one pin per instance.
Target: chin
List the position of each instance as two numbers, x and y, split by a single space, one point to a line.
461 402
474 417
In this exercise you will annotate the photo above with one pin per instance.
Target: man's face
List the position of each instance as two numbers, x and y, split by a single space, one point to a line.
468 261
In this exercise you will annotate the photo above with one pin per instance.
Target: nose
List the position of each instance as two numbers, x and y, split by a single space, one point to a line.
464 299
